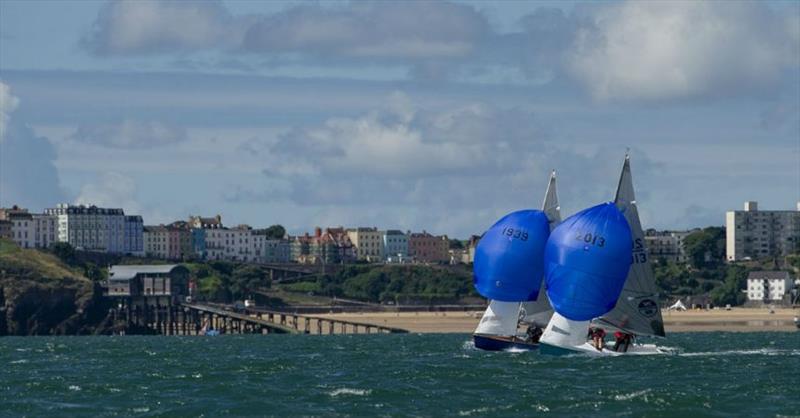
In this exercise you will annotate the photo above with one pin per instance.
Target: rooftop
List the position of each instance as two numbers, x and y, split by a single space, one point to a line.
127 272
769 275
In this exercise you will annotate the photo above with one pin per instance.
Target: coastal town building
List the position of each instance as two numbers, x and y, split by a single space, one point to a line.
159 284
5 229
368 243
28 230
666 245
181 241
333 246
156 241
267 249
753 233
92 228
459 255
395 246
769 286
133 235
472 244
233 244
427 248
208 242
275 251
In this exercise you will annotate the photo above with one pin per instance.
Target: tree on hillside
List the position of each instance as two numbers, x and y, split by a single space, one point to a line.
275 232
456 244
730 291
705 248
246 279
65 252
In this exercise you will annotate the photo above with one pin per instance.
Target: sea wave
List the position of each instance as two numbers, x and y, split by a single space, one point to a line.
349 391
759 352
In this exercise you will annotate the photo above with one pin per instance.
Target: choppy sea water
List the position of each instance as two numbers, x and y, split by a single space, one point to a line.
715 375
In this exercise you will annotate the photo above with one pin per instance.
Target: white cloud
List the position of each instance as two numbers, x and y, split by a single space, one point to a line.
381 30
130 134
155 26
8 104
113 190
401 141
678 49
372 31
28 176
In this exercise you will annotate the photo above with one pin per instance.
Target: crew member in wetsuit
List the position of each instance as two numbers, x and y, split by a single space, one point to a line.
597 334
622 339
534 333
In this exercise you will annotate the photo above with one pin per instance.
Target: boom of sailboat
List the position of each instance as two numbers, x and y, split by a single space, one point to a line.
553 285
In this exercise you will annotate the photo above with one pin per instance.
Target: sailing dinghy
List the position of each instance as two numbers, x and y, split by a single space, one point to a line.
498 327
634 309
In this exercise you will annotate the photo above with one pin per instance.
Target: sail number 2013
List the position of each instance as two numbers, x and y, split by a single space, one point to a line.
519 234
590 238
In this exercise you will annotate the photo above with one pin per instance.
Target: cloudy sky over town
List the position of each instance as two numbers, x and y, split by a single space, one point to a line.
411 115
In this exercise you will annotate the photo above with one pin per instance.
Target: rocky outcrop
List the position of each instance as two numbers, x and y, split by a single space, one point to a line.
32 305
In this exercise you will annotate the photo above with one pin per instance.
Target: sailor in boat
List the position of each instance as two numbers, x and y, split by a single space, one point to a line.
533 333
622 340
598 336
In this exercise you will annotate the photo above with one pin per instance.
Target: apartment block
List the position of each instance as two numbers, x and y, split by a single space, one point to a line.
753 233
91 228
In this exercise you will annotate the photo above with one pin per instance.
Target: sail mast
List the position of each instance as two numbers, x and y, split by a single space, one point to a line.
539 311
637 310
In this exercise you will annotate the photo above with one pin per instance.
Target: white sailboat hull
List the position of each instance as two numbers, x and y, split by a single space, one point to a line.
564 336
588 349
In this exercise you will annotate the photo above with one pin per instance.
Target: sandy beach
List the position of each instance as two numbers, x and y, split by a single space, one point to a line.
737 319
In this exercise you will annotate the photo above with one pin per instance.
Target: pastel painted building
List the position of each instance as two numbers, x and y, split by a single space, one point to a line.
427 248
156 241
28 230
368 243
332 246
395 245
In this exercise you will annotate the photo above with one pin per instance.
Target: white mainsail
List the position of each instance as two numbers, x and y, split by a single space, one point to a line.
502 318
637 310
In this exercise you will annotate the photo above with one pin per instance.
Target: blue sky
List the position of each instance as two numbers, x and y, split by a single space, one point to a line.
435 115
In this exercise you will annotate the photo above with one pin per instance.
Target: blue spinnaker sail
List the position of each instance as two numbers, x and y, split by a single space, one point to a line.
509 259
587 259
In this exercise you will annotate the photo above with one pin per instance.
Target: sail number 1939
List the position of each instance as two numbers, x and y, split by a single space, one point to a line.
519 234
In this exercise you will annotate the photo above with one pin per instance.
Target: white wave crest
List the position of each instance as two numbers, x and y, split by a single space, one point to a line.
632 395
759 352
349 391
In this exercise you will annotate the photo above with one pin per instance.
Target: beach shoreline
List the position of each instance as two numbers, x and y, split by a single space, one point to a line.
734 320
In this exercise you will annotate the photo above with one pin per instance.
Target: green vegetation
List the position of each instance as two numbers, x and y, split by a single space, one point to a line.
36 265
223 281
456 244
275 232
706 247
385 283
